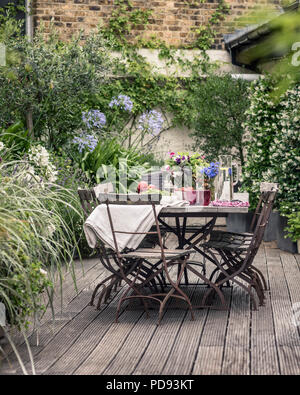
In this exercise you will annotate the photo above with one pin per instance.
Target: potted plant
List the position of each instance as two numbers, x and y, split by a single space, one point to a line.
293 228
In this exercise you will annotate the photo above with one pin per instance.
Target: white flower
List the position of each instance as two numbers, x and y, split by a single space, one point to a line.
42 271
39 155
41 159
51 230
2 146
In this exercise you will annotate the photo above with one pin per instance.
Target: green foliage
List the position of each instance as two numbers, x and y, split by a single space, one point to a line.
273 151
205 35
33 236
111 162
16 138
293 227
9 24
214 109
123 20
149 89
52 80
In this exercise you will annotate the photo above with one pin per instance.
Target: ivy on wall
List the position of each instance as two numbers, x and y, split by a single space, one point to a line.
125 18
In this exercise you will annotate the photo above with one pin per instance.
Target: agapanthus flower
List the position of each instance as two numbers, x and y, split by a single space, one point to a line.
94 119
85 141
151 122
122 101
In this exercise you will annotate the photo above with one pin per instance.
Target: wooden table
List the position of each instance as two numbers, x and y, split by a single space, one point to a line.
202 211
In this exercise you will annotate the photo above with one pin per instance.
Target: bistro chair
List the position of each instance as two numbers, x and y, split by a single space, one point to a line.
131 264
264 187
89 201
111 283
238 250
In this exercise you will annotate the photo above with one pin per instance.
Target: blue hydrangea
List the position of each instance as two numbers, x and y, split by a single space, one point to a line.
151 122
85 141
94 119
212 170
122 101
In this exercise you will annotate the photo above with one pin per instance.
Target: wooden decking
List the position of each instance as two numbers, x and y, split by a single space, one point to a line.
240 341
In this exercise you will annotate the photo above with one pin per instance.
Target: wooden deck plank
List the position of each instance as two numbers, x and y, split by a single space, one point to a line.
84 341
208 360
71 332
291 273
156 354
286 334
158 343
297 257
236 358
133 349
87 341
181 358
80 270
49 328
110 344
91 340
264 356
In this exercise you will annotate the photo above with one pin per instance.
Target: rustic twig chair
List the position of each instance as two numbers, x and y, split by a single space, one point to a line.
238 250
136 261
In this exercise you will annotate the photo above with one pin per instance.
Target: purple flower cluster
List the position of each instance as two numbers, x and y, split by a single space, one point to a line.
151 122
85 141
181 159
122 101
212 170
94 119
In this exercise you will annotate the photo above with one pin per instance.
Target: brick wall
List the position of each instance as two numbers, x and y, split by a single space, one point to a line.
172 20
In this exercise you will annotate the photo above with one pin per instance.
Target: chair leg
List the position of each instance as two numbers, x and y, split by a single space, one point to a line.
162 305
138 295
100 299
262 277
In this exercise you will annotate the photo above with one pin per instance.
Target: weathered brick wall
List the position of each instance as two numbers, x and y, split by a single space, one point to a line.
171 20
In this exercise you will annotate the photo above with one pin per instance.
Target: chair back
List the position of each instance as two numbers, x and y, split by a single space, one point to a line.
267 200
88 201
88 197
265 187
103 188
132 199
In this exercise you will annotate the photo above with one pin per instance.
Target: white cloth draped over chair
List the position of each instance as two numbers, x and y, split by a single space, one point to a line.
127 218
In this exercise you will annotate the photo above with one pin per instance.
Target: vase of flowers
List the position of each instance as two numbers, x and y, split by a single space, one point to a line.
192 174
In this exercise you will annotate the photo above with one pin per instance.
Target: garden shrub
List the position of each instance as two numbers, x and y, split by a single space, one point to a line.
52 80
273 150
216 114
